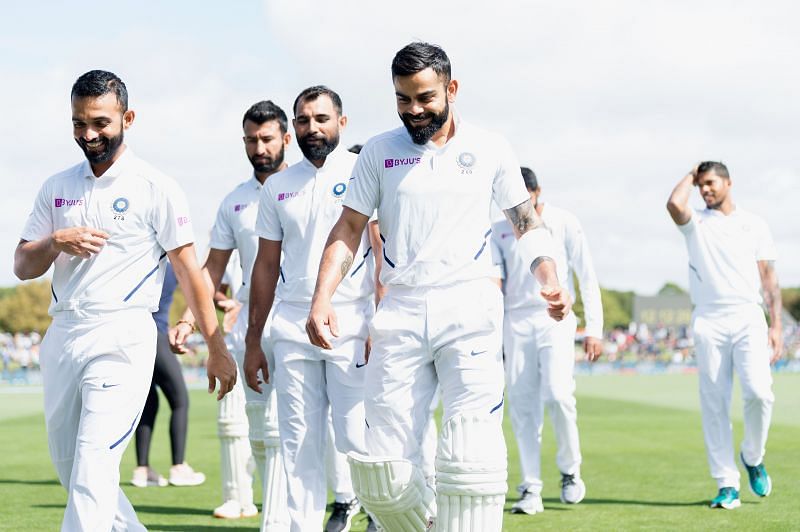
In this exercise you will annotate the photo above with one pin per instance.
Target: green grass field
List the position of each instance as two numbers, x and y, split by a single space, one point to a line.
644 465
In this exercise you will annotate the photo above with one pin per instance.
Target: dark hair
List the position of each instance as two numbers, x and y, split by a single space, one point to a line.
713 166
312 93
266 111
418 56
531 183
355 148
96 83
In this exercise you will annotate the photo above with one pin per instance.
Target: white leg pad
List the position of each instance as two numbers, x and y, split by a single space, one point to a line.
394 492
471 473
235 454
265 443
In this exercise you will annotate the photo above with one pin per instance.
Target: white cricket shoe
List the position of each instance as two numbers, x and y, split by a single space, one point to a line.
184 475
530 503
573 490
231 509
145 477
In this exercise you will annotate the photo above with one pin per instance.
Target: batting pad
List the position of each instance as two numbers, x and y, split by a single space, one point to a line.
394 491
471 474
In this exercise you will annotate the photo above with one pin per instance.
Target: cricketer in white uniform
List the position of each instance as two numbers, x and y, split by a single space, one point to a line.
432 183
731 253
298 208
540 352
265 139
107 225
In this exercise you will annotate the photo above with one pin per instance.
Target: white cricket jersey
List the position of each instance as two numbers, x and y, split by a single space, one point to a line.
434 203
723 256
298 207
144 211
235 228
572 250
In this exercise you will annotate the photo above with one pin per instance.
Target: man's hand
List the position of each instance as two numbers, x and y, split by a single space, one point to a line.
321 317
775 339
80 241
693 173
177 337
231 307
254 360
593 348
220 366
559 302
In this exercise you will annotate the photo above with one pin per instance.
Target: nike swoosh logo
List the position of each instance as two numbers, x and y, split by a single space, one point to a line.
109 385
360 365
351 178
476 353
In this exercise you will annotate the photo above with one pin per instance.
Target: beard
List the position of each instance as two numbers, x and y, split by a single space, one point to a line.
106 151
422 134
270 165
316 152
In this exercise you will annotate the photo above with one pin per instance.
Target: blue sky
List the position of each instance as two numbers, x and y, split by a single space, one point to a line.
610 103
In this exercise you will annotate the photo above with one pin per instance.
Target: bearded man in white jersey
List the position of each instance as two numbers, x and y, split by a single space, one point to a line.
731 253
432 183
107 225
245 411
540 352
297 209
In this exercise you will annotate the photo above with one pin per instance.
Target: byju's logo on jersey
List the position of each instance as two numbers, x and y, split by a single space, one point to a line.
408 161
119 207
62 202
239 207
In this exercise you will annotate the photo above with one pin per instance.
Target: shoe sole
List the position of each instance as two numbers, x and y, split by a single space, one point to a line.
521 511
727 505
769 480
583 495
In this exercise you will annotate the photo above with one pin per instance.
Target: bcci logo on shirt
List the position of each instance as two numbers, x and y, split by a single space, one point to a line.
466 161
339 190
119 207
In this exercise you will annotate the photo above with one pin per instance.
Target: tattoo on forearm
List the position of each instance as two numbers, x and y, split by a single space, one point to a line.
523 217
535 264
346 264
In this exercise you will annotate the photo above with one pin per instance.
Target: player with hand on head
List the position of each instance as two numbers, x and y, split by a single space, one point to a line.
731 256
245 411
540 352
106 225
432 182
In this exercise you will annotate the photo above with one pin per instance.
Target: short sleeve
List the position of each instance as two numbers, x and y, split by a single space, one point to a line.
363 190
222 235
268 223
689 226
171 220
765 245
508 187
40 221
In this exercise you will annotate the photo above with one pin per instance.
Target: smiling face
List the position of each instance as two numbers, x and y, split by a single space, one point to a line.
714 189
423 103
317 127
98 125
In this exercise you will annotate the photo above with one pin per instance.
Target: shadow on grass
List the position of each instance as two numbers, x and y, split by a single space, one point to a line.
590 501
48 482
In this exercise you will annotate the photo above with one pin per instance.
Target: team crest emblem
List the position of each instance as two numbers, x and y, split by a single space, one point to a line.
466 160
339 189
119 207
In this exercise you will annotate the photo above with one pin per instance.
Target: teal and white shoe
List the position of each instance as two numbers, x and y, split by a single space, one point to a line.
760 483
727 498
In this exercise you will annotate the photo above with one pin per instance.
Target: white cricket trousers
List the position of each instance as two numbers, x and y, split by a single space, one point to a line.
539 363
728 338
308 381
96 372
421 336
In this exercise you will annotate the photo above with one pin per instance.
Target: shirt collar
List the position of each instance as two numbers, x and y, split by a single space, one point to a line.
329 160
120 165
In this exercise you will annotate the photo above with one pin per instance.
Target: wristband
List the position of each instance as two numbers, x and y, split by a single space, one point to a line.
535 244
